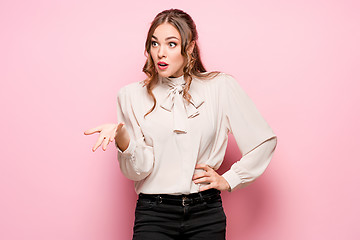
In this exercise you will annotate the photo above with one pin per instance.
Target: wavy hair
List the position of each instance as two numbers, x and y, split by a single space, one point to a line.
193 67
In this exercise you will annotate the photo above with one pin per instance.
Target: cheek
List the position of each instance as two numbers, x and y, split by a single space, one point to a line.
152 53
180 58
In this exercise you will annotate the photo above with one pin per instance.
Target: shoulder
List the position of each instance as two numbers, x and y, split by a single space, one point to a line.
132 89
220 81
216 79
225 87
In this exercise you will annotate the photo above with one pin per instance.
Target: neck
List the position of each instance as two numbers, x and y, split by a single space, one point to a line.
174 80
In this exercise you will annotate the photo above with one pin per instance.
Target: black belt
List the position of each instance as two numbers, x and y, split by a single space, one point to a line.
184 199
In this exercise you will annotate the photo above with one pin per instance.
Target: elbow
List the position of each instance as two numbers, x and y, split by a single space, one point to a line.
273 143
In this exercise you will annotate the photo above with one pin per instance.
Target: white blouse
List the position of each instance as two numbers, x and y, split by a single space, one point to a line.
166 145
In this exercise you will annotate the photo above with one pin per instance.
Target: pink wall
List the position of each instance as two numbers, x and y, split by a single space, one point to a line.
62 63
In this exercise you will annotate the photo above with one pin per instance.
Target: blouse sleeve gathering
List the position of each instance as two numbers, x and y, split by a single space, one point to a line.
254 137
136 162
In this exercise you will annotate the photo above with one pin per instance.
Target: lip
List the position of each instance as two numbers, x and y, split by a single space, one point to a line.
162 67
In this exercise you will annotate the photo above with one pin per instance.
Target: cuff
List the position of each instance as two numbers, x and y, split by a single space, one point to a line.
233 179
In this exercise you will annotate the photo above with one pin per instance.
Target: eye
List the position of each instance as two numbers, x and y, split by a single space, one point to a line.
154 44
172 44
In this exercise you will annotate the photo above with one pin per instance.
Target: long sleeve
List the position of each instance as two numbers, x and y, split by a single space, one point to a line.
137 161
251 165
162 160
253 135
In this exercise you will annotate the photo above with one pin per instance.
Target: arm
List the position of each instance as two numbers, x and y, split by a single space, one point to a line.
251 165
253 135
135 157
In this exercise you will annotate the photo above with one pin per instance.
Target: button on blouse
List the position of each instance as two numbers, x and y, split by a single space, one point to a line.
166 145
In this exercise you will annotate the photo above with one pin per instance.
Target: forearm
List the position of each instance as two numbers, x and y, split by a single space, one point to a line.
137 161
251 165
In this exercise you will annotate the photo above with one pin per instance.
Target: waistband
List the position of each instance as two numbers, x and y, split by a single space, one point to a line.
184 199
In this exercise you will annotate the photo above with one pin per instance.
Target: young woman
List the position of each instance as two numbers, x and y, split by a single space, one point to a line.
172 135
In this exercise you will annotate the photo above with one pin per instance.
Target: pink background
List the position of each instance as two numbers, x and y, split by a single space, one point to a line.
62 63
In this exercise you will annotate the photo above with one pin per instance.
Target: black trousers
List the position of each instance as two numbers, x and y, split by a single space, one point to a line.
185 217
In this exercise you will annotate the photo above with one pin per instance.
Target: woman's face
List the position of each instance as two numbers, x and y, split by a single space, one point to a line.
166 51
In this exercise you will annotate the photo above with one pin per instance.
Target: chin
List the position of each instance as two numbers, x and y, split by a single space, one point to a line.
162 74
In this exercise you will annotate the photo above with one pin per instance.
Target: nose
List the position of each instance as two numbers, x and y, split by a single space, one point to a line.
161 52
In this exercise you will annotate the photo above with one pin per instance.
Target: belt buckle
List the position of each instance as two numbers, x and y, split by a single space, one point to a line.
183 201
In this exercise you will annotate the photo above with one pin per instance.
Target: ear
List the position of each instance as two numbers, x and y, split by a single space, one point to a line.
191 47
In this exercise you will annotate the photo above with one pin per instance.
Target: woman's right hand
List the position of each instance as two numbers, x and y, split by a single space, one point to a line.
109 132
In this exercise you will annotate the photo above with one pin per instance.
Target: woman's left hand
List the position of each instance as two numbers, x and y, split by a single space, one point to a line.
210 177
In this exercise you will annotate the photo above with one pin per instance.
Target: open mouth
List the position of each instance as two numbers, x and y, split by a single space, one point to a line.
162 65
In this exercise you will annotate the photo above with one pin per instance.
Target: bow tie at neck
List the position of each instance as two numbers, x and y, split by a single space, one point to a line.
175 102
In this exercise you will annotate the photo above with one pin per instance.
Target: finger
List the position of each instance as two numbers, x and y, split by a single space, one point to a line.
98 143
203 166
112 137
200 175
93 130
88 132
203 180
105 143
200 166
205 187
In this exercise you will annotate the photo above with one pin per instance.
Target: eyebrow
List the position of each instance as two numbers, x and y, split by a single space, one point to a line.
166 38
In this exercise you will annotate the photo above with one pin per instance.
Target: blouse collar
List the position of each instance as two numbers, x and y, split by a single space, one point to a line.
175 102
173 80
